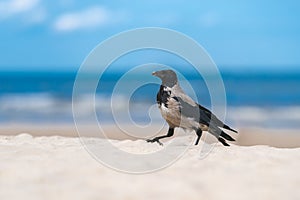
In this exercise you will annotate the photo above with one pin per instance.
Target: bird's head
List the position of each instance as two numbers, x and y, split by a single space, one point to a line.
168 77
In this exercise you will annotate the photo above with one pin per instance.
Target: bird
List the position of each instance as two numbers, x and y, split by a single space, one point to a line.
181 111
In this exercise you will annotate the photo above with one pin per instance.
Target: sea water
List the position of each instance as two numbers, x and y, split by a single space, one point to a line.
252 99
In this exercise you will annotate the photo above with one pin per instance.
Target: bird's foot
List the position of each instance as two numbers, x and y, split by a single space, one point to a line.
155 140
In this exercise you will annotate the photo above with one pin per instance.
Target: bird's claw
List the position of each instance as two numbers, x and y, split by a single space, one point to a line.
155 140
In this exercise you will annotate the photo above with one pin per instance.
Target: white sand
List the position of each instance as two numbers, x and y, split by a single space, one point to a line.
60 168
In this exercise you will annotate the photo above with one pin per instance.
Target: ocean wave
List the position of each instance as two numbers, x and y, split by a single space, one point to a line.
267 117
45 107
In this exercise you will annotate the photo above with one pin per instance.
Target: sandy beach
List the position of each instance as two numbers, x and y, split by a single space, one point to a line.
88 87
55 165
248 136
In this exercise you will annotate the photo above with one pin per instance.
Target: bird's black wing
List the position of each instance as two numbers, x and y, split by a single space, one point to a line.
214 119
191 111
201 114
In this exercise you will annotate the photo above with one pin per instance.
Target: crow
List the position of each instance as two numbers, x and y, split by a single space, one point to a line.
180 111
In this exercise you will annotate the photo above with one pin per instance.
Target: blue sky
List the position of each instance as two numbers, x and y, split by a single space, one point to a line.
44 34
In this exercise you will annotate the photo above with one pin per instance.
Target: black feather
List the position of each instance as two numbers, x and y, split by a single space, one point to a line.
191 111
228 128
204 116
162 96
215 119
223 142
226 136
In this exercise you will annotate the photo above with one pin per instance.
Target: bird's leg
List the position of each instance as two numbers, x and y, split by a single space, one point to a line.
199 134
156 139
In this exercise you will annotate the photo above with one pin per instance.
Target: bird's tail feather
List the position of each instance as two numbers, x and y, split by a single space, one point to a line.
223 141
228 128
218 133
226 136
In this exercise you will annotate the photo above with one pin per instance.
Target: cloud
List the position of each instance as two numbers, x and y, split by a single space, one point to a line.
28 11
92 17
13 7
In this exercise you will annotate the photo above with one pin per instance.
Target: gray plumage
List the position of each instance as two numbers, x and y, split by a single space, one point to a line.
179 110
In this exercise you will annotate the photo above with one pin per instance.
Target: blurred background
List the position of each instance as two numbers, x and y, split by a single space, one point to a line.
255 45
